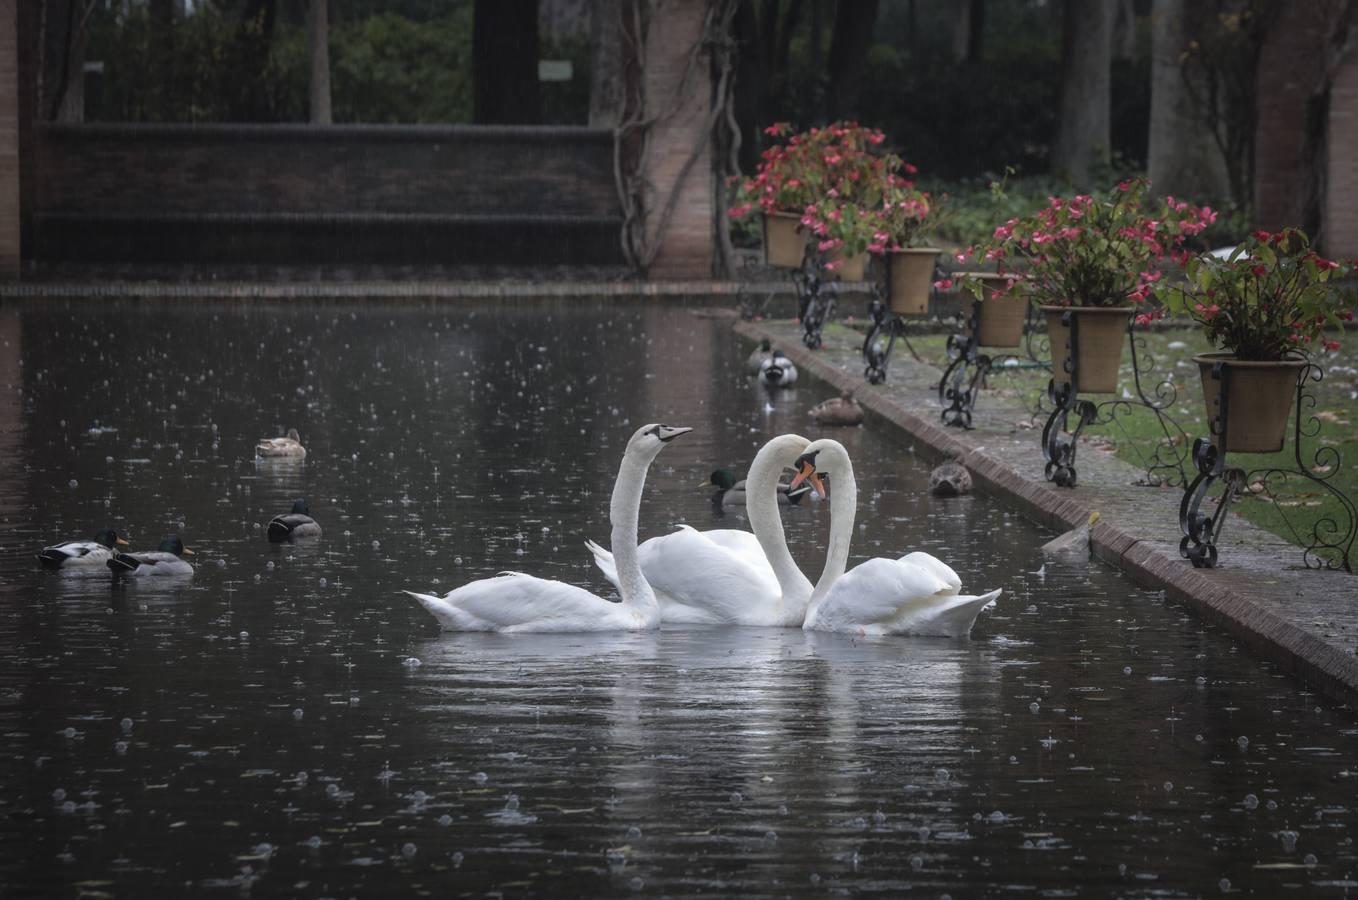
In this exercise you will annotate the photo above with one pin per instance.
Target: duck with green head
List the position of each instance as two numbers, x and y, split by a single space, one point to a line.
165 560
731 492
295 524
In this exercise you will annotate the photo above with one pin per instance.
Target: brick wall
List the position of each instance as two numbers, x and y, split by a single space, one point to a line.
686 246
1341 188
297 193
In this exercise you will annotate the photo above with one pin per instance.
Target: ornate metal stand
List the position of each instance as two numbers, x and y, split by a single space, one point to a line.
816 298
886 328
1329 543
969 368
1165 465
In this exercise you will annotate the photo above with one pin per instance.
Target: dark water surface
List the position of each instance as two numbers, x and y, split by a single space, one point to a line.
286 723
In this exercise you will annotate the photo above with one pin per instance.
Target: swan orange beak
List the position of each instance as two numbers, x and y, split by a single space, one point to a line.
808 472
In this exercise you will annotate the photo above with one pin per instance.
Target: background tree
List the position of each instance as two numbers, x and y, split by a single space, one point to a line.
1084 136
854 25
605 74
505 62
318 50
1183 157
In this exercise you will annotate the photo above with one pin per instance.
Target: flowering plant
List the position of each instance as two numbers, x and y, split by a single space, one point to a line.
834 161
842 229
1094 251
1270 295
905 214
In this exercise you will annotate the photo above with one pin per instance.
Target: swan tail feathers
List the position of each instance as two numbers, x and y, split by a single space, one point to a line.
448 615
604 560
959 617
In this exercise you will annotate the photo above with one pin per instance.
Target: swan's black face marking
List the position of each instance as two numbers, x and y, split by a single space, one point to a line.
806 471
667 433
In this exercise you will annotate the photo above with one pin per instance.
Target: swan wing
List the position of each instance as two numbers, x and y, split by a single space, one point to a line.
938 567
873 594
654 555
514 602
706 577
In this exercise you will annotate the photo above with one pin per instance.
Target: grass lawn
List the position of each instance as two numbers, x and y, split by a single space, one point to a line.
1287 506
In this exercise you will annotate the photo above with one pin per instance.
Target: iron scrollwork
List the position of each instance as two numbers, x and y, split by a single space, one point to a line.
1328 543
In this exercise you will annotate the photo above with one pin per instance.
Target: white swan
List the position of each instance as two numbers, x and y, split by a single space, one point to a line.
728 576
514 602
916 594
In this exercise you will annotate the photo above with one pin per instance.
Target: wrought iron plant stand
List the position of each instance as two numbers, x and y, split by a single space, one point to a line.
1329 543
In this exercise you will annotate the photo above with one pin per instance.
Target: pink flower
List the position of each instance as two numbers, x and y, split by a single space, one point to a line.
943 284
1332 346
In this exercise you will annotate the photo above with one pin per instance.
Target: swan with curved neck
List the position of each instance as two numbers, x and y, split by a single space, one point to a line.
728 576
916 594
515 602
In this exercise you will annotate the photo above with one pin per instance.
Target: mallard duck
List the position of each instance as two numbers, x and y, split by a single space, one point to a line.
290 446
164 560
777 371
842 410
295 524
758 355
85 557
732 493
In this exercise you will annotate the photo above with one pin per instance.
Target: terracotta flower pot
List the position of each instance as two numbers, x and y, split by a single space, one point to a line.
853 268
1259 401
910 275
1002 315
784 240
1102 332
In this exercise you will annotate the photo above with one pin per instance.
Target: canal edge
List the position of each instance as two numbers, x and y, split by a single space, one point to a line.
1321 665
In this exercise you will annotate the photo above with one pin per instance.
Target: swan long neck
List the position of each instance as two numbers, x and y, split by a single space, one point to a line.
843 507
623 512
761 507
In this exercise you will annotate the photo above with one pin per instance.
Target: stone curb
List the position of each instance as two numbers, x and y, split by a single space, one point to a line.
1326 667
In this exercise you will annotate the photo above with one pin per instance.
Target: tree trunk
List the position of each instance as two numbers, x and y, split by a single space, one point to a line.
749 96
849 45
976 32
1183 158
1124 30
244 74
1083 133
505 62
318 47
605 73
160 100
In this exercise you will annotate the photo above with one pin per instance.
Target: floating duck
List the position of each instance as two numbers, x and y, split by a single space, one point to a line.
843 410
84 557
777 371
285 447
166 560
295 524
732 493
757 356
950 479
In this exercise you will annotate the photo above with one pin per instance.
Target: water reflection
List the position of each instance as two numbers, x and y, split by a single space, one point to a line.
286 721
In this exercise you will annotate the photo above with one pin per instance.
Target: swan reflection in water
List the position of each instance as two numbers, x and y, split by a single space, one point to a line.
758 731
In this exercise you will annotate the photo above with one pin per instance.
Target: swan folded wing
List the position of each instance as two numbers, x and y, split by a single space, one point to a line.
517 602
938 567
743 544
877 592
702 574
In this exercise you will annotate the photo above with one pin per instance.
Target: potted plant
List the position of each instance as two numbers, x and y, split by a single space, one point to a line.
843 231
831 163
1261 305
999 311
1093 259
904 215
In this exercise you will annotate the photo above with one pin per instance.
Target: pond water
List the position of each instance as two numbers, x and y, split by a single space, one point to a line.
287 723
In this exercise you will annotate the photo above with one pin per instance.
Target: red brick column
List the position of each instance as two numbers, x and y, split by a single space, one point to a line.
1341 189
687 242
9 139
